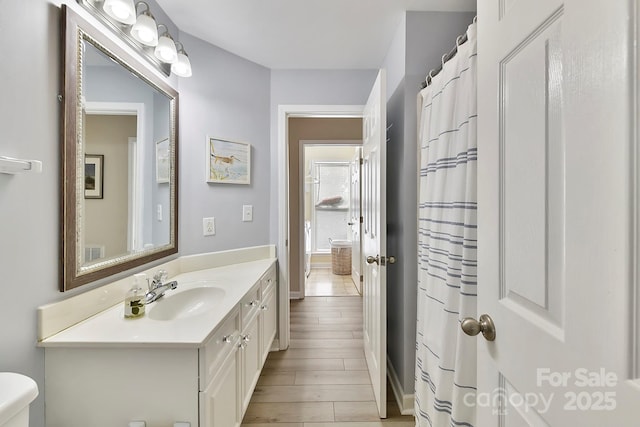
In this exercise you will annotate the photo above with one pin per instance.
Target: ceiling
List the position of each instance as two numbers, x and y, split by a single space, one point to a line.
302 34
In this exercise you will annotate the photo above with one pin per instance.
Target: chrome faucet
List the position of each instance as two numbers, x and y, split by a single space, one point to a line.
157 288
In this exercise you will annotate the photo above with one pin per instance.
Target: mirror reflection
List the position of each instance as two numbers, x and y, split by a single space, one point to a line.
126 177
119 158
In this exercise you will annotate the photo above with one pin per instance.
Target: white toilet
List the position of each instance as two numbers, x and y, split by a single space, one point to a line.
16 394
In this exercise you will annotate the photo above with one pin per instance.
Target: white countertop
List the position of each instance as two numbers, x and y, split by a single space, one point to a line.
110 329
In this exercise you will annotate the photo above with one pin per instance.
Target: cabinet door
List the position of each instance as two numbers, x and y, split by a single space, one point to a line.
219 403
269 323
251 360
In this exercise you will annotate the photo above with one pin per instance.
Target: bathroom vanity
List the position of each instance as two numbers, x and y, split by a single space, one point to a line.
194 357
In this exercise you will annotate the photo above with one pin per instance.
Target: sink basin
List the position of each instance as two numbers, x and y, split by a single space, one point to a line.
188 303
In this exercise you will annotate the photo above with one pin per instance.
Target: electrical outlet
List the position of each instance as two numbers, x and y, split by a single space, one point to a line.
208 226
247 213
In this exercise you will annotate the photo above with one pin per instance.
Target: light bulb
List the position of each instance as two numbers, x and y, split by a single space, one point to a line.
182 67
122 11
166 50
145 30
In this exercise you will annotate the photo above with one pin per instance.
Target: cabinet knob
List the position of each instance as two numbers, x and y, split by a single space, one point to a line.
264 307
242 345
252 303
227 338
246 338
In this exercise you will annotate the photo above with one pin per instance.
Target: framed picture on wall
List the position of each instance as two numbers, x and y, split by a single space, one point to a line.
93 176
162 161
228 162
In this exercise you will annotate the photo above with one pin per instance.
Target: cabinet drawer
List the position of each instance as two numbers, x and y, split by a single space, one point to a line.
268 281
250 305
223 341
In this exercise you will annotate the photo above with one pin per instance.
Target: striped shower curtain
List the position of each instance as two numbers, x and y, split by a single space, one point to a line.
447 245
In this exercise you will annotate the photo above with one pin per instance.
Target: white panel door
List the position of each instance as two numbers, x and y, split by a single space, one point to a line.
355 225
555 213
374 152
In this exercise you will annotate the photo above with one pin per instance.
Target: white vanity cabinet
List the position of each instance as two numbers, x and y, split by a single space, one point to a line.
268 311
220 386
104 384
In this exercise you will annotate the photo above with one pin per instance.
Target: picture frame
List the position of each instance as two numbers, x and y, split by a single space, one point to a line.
228 162
163 161
93 176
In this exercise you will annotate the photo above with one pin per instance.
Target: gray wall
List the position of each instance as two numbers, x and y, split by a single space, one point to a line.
428 35
29 203
227 97
160 194
310 87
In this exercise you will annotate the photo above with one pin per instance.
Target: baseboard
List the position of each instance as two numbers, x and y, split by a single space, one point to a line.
405 402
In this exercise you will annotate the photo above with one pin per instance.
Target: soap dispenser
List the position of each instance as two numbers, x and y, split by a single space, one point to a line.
134 301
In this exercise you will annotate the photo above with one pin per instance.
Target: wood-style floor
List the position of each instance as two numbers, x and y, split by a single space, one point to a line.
322 282
322 379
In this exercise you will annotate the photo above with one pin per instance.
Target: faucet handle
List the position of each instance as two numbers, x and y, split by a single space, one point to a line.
160 276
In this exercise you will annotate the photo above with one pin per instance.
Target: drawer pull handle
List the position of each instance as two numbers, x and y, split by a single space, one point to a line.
227 338
264 307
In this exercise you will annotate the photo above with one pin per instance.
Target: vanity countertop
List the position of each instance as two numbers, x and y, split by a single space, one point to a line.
110 329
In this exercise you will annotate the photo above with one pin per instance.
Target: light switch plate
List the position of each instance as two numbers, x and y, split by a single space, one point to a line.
208 226
247 213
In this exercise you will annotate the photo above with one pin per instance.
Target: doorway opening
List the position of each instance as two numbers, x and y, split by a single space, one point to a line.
122 174
331 217
330 136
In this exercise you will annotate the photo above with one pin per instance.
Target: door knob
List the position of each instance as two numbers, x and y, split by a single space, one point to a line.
382 260
473 327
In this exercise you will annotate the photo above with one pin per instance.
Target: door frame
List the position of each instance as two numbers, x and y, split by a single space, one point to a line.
135 168
282 249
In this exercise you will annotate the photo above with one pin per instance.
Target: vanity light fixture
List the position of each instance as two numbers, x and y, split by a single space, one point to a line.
135 24
166 49
182 66
145 30
123 11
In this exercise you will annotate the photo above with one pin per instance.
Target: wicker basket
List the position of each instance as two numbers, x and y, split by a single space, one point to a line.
341 257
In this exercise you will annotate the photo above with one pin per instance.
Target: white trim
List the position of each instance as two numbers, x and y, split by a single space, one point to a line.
295 295
406 402
284 112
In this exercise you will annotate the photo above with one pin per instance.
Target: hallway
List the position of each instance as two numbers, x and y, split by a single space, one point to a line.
323 283
321 381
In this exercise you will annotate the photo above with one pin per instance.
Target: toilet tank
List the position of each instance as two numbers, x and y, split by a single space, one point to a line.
16 394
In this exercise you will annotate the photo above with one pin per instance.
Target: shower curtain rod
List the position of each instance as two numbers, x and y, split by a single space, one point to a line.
447 57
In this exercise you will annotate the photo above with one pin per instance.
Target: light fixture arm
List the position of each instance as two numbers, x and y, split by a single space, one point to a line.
180 48
164 33
146 11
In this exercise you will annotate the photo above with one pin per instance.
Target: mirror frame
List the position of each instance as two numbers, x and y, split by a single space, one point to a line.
75 29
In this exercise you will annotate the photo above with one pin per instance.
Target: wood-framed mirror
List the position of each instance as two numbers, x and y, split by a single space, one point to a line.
119 158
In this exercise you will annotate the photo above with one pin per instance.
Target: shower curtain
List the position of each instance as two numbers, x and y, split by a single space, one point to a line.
447 245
